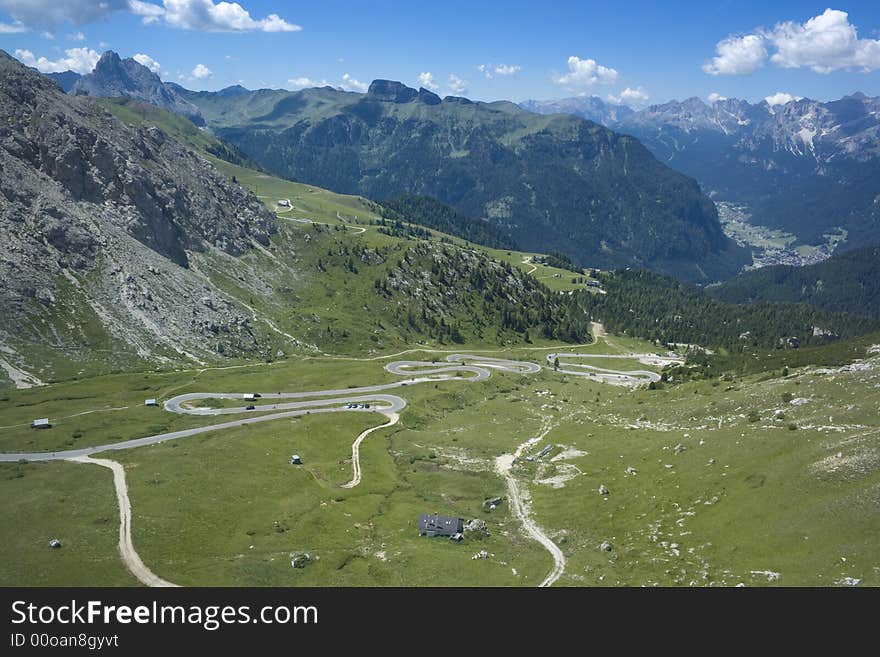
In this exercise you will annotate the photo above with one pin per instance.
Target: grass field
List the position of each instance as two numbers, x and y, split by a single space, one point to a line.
750 480
71 502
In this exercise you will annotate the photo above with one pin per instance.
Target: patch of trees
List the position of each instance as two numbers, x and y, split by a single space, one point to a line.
663 310
453 295
848 282
429 212
560 261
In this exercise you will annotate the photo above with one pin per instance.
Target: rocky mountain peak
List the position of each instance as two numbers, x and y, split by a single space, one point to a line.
88 201
428 97
391 91
115 77
109 59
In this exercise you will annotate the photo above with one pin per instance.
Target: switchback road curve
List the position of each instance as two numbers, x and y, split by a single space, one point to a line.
370 399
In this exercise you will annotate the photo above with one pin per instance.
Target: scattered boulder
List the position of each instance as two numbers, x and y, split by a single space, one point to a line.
477 528
482 554
631 471
300 559
55 543
678 449
606 546
603 490
848 581
492 503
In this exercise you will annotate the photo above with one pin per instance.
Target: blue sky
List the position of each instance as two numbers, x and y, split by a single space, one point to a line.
640 52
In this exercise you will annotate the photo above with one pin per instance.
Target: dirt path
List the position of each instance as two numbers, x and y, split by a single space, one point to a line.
129 555
503 466
356 450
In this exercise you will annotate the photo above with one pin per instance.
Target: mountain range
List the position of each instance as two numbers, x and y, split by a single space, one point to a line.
130 244
114 77
807 167
555 183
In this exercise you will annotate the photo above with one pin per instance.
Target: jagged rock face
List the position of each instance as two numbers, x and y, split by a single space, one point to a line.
110 214
392 91
114 77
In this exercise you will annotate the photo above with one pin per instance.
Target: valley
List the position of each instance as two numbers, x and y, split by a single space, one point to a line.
771 246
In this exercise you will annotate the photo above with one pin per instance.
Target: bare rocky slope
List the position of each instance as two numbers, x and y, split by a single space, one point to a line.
100 222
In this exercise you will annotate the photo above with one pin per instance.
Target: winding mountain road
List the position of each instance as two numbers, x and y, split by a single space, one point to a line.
364 399
614 377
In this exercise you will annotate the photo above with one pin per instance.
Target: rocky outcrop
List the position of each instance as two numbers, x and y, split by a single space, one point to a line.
100 223
114 77
391 91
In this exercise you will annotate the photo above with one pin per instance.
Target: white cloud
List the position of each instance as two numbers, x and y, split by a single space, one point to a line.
49 13
631 97
585 73
505 69
825 43
426 79
737 56
76 36
204 15
350 84
79 60
14 28
46 34
781 98
491 70
714 97
201 72
148 61
151 13
457 85
305 83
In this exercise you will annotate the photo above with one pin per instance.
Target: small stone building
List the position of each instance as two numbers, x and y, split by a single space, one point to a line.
436 525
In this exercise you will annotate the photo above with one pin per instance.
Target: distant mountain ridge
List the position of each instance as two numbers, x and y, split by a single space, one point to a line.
591 108
66 80
114 77
549 183
804 166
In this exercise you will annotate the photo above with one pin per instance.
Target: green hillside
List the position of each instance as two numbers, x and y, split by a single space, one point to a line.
550 183
661 309
847 282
